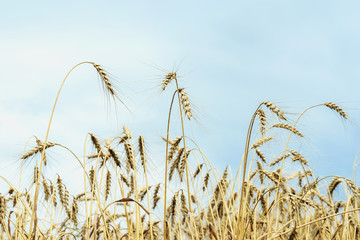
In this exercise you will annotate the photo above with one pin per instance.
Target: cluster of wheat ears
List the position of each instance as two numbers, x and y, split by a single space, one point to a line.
119 202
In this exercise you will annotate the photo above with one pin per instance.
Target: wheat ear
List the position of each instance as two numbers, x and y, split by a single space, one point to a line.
336 108
275 110
168 78
262 117
186 103
288 127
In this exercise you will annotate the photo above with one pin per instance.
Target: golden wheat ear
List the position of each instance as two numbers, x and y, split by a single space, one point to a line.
168 78
185 103
105 80
288 127
336 108
108 86
275 110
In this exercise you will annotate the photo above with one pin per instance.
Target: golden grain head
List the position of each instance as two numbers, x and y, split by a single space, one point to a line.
168 78
198 169
107 185
288 127
262 117
336 108
105 80
260 142
206 181
185 103
142 151
275 110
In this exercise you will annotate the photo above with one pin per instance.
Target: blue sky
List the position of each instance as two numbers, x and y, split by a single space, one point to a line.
231 56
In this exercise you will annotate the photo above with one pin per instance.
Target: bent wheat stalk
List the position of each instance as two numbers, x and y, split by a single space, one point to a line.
109 88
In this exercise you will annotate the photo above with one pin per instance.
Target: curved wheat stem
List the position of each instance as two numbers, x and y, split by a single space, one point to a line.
109 88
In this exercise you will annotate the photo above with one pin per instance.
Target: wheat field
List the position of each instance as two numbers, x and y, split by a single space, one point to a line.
259 200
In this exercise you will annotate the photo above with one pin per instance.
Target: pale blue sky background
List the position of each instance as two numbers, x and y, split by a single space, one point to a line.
233 54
